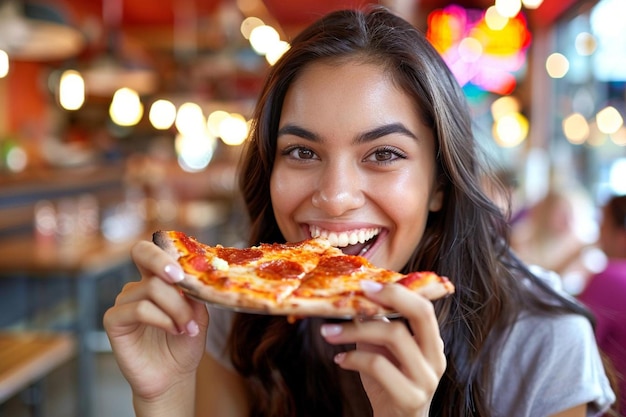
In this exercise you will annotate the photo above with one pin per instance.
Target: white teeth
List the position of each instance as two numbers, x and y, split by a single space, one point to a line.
343 239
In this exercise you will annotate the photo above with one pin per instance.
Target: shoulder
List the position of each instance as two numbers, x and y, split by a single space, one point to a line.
556 364
550 333
559 339
537 344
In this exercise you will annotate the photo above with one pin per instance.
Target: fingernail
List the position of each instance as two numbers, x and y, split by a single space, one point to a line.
330 329
371 286
174 272
192 328
340 357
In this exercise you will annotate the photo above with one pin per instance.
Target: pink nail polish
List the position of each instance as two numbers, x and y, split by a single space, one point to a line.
174 272
330 329
192 328
371 286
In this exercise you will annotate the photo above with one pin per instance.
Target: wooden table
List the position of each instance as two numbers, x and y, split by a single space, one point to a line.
84 264
27 357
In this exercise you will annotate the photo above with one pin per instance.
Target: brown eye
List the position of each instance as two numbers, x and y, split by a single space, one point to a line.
299 153
384 155
304 153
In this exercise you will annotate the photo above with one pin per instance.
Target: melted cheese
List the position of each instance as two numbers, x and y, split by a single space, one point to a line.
220 264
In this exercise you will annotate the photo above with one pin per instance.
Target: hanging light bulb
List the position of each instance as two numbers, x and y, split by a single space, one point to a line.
71 90
262 38
162 114
233 130
190 119
126 107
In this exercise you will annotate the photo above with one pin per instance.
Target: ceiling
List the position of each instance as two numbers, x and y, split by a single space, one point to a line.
195 46
290 15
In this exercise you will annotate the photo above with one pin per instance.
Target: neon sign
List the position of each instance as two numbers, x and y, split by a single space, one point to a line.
479 55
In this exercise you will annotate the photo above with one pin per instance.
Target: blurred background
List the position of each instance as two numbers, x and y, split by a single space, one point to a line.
121 117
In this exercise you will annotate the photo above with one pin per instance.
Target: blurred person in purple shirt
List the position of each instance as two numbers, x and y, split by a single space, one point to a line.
605 293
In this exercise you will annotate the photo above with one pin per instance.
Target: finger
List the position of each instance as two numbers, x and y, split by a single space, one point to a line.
391 337
401 390
420 314
125 318
167 299
152 260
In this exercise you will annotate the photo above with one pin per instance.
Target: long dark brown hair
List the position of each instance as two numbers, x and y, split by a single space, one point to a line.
289 367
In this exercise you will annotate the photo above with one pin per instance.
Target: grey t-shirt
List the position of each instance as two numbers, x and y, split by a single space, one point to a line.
548 364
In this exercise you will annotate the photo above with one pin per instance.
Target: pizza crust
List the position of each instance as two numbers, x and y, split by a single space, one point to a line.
348 306
437 289
162 240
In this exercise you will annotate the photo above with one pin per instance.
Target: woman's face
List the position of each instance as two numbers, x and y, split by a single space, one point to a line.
354 163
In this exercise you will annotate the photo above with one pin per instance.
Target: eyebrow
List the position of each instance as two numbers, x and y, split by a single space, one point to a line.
384 130
364 137
298 131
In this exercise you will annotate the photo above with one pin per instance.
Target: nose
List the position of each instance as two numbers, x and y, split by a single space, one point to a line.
339 190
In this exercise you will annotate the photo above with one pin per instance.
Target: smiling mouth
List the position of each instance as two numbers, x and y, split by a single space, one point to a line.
352 242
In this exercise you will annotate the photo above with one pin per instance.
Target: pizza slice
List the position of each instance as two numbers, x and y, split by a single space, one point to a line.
308 278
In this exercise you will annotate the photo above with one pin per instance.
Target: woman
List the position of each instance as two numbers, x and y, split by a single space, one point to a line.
605 291
361 125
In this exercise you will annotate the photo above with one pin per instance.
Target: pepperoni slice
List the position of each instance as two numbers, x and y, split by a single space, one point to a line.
239 256
191 245
199 263
339 265
280 269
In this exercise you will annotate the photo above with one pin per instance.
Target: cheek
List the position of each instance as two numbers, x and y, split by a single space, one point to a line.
407 196
285 192
406 202
277 189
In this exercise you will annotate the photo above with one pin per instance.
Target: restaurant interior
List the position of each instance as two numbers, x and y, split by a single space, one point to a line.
122 117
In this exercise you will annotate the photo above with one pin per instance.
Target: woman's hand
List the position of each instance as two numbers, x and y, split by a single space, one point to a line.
157 334
400 371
